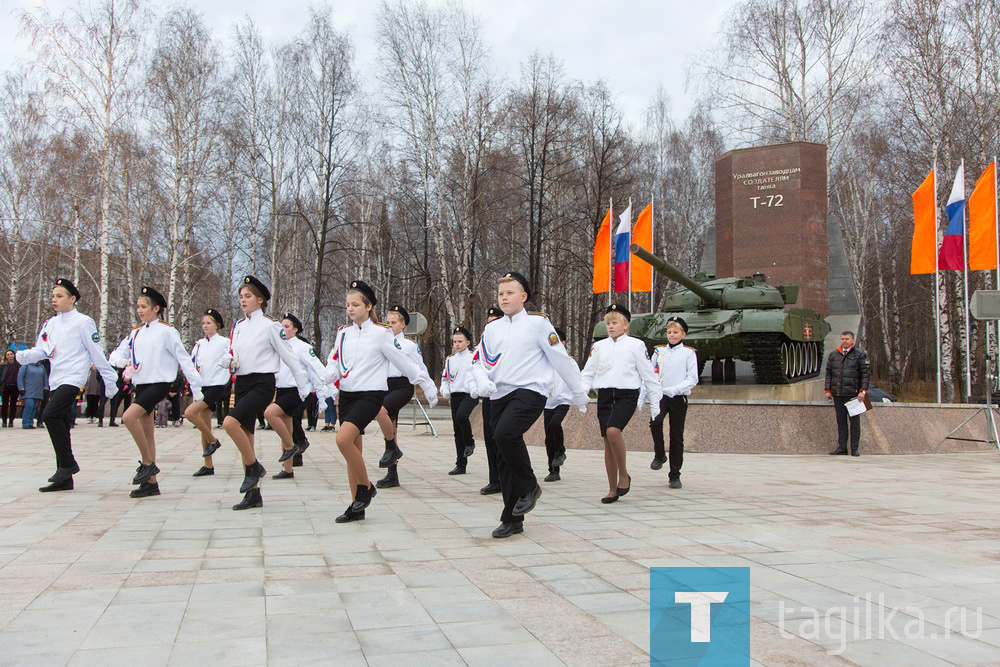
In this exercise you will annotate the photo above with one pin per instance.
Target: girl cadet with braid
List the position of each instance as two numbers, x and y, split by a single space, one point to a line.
457 385
287 405
399 394
257 351
153 350
206 355
363 352
70 342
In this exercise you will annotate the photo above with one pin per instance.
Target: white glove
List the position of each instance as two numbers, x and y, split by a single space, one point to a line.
432 401
580 401
197 396
654 411
19 356
117 360
445 392
226 361
669 393
110 393
304 392
486 389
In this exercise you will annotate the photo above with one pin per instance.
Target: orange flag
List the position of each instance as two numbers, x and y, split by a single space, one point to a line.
602 257
983 221
642 234
924 254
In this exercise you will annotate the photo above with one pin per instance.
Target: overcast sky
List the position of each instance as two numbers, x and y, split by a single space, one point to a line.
634 45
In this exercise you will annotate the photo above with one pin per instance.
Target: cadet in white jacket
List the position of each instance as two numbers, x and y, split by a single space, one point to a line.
556 407
362 356
458 385
400 392
206 355
153 350
70 342
617 367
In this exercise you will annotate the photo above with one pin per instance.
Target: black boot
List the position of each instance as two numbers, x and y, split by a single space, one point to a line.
391 455
390 480
62 485
251 499
350 515
363 497
297 461
145 489
254 473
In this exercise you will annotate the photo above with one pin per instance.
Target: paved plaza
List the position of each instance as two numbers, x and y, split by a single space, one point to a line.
93 577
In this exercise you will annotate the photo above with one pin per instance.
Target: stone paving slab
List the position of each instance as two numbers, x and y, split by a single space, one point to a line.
93 577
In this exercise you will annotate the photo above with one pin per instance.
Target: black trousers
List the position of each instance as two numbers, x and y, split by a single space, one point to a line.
222 407
58 415
512 416
10 396
116 400
554 444
311 409
843 419
675 408
491 443
462 406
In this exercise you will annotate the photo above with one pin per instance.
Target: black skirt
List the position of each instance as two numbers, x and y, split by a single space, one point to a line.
253 392
400 393
148 395
214 394
615 408
359 407
288 400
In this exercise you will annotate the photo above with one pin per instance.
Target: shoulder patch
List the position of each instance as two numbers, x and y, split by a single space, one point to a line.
96 337
270 318
538 313
396 343
281 334
312 352
553 339
379 324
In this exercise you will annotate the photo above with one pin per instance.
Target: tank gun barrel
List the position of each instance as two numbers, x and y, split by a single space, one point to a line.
667 269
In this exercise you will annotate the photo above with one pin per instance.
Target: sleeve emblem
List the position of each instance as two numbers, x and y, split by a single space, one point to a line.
553 339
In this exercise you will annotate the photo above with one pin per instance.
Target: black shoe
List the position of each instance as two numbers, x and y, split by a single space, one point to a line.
526 503
657 463
297 460
390 480
303 444
64 473
327 428
490 489
469 449
283 475
145 489
251 499
211 448
63 485
268 427
559 460
675 484
100 423
253 474
838 451
350 515
363 498
621 491
28 427
609 500
288 453
507 529
113 424
553 477
391 455
457 470
855 452
203 472
145 472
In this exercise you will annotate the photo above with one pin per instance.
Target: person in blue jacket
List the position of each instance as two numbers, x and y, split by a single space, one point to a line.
32 383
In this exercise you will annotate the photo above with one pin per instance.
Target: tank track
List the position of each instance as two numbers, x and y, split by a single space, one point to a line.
767 352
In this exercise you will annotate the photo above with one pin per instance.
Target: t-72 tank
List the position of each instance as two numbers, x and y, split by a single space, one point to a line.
736 318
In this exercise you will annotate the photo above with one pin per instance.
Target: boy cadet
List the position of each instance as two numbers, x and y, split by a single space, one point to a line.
514 366
677 366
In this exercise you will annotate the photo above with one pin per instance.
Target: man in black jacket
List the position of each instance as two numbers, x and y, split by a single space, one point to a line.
847 377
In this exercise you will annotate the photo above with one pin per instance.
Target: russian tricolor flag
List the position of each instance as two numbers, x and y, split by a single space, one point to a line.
952 256
623 237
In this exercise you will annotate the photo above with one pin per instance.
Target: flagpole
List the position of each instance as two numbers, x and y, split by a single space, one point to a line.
629 209
937 288
965 293
652 249
611 245
996 233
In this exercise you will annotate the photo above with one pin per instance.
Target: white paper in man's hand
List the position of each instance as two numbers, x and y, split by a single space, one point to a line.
855 407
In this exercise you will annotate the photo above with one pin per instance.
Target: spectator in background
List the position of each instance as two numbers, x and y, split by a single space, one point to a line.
847 376
9 369
32 382
94 391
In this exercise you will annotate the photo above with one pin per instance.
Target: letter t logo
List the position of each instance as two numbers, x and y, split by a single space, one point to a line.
701 611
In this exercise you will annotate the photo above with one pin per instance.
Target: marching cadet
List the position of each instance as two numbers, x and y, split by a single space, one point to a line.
617 367
70 342
205 355
399 394
517 356
153 350
256 354
457 384
362 355
556 407
677 366
287 404
493 313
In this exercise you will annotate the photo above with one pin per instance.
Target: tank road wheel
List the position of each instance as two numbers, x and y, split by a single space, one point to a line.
765 352
787 359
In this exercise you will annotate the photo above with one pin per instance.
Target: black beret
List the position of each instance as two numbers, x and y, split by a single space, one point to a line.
561 334
521 279
259 286
216 315
494 312
402 312
296 322
365 289
69 287
680 321
616 308
154 296
462 330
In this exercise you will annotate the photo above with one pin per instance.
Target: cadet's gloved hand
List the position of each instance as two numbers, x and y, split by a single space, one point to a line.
226 361
485 389
445 391
197 396
304 393
432 401
654 411
580 401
